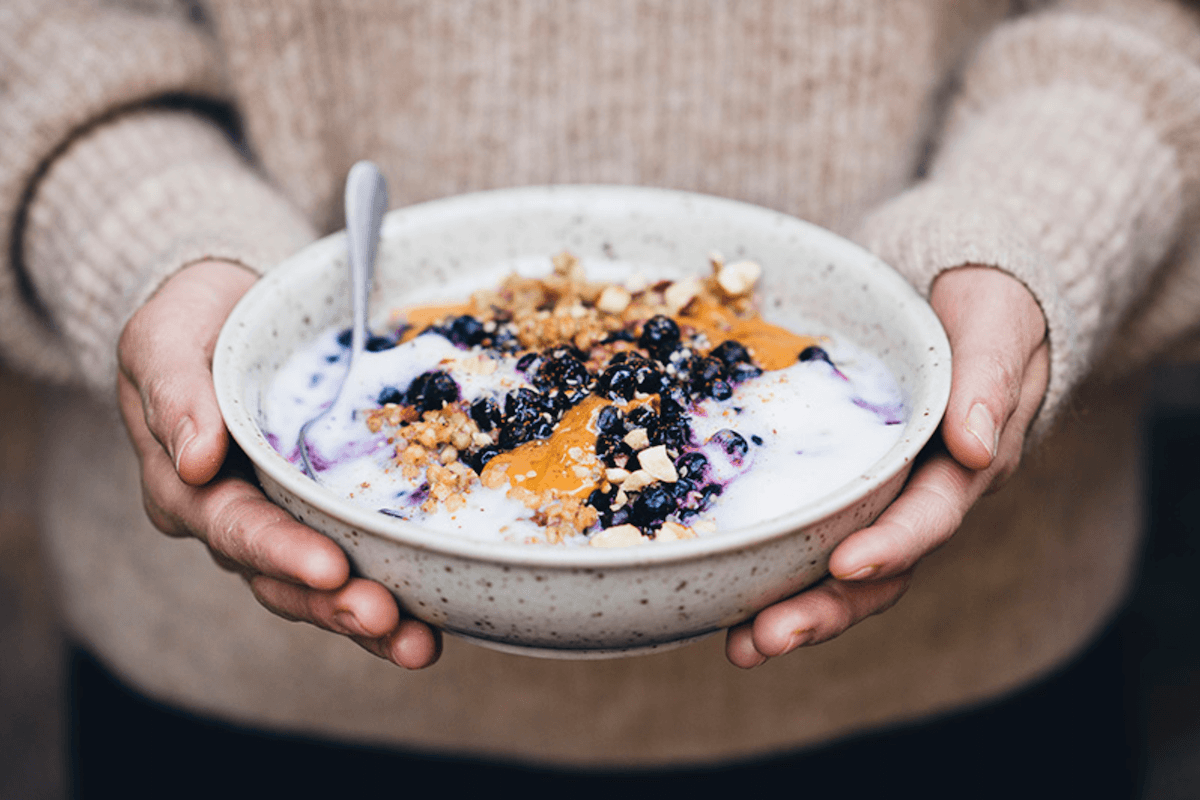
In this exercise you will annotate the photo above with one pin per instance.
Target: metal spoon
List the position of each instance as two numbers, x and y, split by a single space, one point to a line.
366 202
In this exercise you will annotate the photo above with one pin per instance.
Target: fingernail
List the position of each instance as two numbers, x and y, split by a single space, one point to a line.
864 572
981 425
348 622
800 637
185 431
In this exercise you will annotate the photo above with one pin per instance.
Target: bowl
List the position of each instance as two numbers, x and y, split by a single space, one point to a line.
582 602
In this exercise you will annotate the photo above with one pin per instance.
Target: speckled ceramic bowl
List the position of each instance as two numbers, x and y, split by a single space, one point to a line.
579 602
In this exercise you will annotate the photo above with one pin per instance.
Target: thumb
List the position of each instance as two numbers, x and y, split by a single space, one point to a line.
166 353
994 326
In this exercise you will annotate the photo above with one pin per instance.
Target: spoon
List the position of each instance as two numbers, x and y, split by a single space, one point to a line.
366 202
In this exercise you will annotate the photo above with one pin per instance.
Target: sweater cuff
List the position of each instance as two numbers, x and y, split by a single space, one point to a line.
1069 162
129 204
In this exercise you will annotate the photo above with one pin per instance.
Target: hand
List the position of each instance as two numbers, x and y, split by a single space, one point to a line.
170 409
1001 367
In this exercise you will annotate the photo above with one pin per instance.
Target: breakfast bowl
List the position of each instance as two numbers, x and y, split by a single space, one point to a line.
569 601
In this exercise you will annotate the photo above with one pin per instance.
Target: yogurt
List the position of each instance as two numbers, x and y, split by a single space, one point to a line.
558 410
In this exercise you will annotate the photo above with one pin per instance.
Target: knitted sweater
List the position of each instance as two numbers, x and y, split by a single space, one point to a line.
1061 144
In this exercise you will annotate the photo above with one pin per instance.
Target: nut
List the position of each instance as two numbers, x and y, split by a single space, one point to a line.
618 536
680 293
739 278
614 299
673 532
637 480
657 463
638 439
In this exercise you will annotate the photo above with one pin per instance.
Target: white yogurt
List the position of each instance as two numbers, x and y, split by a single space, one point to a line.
809 429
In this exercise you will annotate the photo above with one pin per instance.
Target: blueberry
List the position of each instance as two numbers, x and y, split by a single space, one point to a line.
522 405
562 370
609 421
732 443
691 465
377 343
612 450
758 440
465 331
528 362
708 369
731 352
514 433
617 381
742 372
720 390
680 488
345 337
390 394
708 493
541 429
618 516
431 390
483 456
486 413
673 402
660 337
647 378
642 417
504 340
676 433
652 506
599 500
814 353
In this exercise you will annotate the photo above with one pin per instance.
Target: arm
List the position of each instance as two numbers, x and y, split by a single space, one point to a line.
124 213
1069 163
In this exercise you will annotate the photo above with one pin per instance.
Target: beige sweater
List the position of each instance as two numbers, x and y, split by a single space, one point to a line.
1061 144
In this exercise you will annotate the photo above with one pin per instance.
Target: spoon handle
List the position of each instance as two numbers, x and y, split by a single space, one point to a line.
366 203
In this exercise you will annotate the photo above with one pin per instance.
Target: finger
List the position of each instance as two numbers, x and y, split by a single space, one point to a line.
811 617
166 354
994 326
923 518
413 645
360 608
237 522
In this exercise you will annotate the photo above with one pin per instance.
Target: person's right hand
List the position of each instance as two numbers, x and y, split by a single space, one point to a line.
170 409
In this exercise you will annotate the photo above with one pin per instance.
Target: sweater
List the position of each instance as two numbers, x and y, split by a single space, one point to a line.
1055 141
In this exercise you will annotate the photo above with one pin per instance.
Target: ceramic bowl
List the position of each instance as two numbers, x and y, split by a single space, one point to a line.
581 602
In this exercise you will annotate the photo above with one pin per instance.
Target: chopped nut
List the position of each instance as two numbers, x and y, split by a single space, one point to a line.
616 474
620 500
657 463
448 455
716 260
481 439
619 536
638 439
637 480
673 532
680 293
739 278
636 283
614 299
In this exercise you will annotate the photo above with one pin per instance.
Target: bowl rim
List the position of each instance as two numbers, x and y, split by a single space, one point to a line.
246 433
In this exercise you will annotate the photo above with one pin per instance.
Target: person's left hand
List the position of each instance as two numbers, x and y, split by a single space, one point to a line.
997 336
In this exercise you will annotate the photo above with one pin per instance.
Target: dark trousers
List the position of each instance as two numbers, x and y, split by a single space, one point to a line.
1071 735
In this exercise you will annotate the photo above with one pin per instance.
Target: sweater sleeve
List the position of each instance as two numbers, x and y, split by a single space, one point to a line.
105 190
1070 158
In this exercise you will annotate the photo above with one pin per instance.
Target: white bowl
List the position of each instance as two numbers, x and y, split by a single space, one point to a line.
580 602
